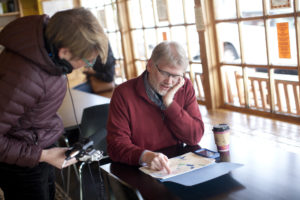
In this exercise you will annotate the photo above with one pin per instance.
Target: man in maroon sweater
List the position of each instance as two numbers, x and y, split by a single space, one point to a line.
156 110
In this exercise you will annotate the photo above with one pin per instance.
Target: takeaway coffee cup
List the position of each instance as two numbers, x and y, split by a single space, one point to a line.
221 135
225 156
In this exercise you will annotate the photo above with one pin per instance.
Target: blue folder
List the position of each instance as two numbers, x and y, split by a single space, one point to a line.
203 174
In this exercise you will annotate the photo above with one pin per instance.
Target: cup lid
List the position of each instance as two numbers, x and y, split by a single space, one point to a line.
220 127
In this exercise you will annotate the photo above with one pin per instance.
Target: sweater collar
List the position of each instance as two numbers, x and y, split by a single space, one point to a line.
153 96
141 88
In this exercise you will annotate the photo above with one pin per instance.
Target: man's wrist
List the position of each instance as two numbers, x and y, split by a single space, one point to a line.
141 160
167 102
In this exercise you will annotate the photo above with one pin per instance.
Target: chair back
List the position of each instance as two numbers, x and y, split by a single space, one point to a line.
93 125
121 190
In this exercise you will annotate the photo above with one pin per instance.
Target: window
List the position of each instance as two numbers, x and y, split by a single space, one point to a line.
153 21
252 44
106 12
258 55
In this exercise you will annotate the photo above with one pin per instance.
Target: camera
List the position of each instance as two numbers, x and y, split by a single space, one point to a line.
84 151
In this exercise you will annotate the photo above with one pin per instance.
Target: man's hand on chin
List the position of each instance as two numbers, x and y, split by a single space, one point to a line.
169 96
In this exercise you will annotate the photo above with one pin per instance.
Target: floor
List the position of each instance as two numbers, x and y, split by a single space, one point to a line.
59 195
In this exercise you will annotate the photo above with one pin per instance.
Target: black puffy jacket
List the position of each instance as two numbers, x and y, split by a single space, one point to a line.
32 89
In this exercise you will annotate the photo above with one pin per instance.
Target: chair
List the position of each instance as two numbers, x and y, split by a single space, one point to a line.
93 126
118 189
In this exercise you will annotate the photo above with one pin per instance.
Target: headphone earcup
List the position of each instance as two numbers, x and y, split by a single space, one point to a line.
62 64
66 67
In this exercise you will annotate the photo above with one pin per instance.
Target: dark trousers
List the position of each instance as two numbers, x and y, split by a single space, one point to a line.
37 183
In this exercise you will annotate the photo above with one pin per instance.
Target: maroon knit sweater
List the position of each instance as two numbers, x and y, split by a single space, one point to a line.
135 123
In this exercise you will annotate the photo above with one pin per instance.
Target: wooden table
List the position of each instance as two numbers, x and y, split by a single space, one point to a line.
81 101
268 173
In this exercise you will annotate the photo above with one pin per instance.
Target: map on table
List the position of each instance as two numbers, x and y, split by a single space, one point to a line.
179 165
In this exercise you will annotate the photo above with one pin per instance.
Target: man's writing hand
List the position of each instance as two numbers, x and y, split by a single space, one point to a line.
156 161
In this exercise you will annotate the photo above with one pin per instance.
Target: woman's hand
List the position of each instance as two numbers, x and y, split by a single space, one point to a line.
56 157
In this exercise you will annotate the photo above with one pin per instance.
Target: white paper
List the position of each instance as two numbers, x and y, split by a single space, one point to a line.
51 7
162 10
199 19
280 4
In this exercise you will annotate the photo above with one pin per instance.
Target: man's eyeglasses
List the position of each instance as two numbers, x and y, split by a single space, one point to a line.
89 64
167 74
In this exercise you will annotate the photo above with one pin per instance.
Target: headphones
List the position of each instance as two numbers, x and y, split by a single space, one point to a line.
62 64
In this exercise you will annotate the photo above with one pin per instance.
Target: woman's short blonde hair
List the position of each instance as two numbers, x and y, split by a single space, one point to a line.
79 31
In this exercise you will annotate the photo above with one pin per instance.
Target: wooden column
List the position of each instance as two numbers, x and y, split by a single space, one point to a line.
208 52
126 39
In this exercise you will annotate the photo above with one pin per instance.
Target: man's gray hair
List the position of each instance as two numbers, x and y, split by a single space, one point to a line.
169 53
